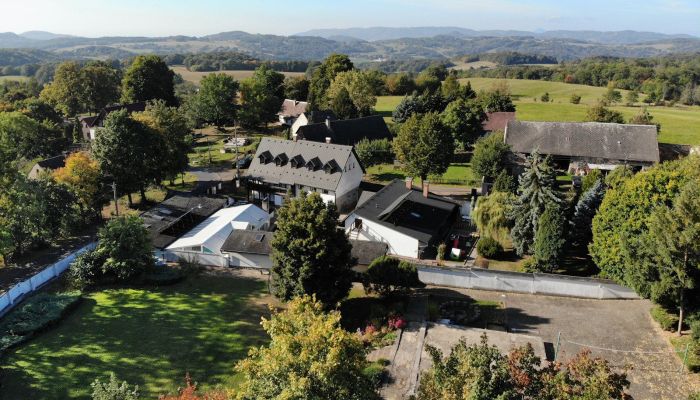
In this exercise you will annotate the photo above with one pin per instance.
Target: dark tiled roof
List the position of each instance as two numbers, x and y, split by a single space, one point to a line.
53 162
248 242
347 131
292 108
365 251
310 152
497 121
89 121
594 140
176 215
408 211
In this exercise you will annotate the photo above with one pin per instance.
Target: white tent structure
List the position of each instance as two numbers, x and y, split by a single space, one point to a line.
210 235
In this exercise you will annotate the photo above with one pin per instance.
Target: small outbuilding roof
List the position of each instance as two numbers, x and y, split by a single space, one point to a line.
365 251
594 140
293 108
497 121
248 242
213 231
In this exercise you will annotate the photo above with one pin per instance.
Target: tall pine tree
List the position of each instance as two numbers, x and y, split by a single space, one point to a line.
549 239
584 212
535 192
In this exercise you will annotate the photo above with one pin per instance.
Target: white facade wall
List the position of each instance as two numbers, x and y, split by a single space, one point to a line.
249 260
299 122
399 243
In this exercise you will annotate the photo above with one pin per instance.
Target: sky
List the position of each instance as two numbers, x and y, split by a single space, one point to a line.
95 18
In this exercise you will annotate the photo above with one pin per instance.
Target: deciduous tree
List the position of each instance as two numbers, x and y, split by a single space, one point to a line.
322 77
600 113
492 215
65 91
148 78
216 101
99 85
310 356
82 176
261 97
359 89
125 246
424 145
309 254
490 155
296 88
464 118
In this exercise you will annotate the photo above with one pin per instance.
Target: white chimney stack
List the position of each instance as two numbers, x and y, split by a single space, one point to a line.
426 188
328 139
409 182
328 122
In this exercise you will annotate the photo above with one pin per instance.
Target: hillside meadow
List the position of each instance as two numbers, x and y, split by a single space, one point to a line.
679 124
196 77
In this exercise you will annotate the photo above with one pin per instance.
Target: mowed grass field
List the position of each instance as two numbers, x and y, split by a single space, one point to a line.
150 337
196 77
679 124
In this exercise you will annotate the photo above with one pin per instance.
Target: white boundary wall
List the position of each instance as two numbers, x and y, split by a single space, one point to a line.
10 298
548 284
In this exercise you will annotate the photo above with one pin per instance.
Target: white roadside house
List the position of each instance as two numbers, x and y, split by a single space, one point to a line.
203 243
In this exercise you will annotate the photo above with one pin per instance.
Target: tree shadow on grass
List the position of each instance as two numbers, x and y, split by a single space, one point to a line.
150 337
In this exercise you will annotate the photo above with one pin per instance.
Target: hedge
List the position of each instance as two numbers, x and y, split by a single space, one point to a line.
667 320
35 315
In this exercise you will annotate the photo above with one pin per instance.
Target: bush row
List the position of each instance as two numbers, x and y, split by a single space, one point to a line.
35 315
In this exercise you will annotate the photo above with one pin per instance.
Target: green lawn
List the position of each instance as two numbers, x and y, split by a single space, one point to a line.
149 337
679 124
385 173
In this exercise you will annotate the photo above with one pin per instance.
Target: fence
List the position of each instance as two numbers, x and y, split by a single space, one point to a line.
194 257
17 292
555 285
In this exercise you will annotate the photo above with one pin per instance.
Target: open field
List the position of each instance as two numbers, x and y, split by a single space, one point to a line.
195 77
679 124
147 336
385 173
13 78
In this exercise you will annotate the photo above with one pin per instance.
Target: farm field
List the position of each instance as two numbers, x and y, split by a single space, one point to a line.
150 337
385 173
679 124
13 78
196 77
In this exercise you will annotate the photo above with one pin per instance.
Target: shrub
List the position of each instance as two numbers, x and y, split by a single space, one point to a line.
86 268
530 265
375 371
575 99
489 247
113 390
35 315
695 329
387 274
667 320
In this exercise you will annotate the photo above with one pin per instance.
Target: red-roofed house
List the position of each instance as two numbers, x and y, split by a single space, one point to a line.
497 121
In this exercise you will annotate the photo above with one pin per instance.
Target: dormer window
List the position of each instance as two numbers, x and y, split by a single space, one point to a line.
297 161
314 164
331 167
265 157
281 159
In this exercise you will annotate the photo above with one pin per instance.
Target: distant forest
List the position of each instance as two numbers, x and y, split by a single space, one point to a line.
669 78
230 60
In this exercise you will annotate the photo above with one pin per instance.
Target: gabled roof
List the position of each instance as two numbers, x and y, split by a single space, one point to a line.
408 211
595 140
302 150
347 131
52 163
97 119
497 121
292 108
89 120
176 215
248 242
214 230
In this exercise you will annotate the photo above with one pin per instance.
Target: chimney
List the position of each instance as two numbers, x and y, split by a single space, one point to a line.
328 139
328 122
409 182
426 188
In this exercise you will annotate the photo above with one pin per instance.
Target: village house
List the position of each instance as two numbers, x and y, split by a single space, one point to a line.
290 167
47 166
581 146
497 121
311 117
412 222
89 125
348 131
291 110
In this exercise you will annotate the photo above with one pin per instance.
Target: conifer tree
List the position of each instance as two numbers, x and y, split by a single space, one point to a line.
584 212
535 192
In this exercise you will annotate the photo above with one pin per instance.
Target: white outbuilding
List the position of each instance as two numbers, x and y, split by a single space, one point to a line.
207 238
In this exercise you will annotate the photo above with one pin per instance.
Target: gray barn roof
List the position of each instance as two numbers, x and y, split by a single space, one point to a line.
248 242
617 142
286 173
347 131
